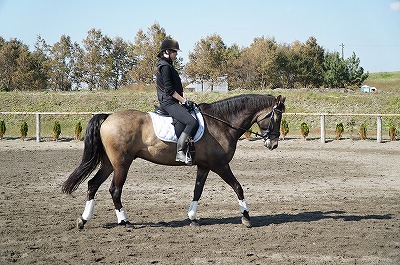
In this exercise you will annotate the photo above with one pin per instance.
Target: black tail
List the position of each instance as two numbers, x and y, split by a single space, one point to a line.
92 154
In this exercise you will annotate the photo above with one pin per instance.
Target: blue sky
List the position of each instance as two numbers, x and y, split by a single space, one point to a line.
370 28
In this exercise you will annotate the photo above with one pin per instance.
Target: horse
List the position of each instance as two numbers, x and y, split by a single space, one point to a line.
115 140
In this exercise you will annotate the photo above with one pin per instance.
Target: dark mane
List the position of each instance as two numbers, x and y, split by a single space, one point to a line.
238 104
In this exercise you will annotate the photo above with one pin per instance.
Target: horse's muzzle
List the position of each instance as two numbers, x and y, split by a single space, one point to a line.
271 144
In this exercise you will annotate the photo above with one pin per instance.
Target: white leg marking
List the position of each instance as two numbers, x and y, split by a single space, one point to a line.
243 206
121 215
193 210
88 212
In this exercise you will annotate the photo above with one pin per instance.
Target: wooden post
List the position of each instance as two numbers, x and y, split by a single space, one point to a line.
37 127
323 132
379 129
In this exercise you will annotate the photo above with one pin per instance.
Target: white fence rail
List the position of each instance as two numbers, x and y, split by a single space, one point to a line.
322 119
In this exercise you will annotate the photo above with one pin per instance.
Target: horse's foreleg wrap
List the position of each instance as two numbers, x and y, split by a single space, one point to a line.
243 206
88 212
122 216
193 210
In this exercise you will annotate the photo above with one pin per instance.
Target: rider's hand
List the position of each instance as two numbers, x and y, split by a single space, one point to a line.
189 104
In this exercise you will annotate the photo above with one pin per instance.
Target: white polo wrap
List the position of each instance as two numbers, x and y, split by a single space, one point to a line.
88 212
121 215
193 210
243 206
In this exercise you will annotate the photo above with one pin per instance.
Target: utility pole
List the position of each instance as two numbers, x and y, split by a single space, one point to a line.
342 45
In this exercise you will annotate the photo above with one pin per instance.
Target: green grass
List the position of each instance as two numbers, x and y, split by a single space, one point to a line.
384 81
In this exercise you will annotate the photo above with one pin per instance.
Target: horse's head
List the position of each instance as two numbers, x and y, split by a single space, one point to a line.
270 123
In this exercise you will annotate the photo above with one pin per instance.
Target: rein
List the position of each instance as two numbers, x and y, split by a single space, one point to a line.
240 128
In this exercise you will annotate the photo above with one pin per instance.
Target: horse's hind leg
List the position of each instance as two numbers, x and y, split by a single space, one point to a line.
117 183
226 174
93 185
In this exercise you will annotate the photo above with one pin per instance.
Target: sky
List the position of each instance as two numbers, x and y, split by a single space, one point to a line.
370 28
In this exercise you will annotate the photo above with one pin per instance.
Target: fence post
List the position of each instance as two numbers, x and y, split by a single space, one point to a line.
379 129
323 132
37 127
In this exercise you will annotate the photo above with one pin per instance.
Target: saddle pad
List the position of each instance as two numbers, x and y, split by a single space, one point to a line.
165 131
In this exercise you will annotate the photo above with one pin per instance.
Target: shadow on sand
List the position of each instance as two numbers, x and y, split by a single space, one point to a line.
266 220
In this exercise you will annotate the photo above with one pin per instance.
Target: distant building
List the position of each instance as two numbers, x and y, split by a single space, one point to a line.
368 89
220 86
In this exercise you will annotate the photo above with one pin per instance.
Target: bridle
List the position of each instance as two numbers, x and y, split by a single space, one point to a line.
268 132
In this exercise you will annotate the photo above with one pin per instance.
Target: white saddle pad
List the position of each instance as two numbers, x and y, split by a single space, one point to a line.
165 131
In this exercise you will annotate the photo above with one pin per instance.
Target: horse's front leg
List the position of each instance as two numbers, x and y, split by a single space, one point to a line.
202 173
226 174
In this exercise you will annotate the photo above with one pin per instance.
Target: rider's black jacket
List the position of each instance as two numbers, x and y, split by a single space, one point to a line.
168 81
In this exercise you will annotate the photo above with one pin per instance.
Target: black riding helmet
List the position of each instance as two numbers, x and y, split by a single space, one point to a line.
169 44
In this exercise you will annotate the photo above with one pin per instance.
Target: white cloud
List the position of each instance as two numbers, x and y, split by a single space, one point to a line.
395 6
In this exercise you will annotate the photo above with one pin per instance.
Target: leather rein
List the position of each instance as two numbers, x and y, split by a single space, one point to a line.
266 116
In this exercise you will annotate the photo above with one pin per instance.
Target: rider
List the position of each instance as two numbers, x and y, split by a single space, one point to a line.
170 94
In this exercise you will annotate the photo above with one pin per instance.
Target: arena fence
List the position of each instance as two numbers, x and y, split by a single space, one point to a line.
322 117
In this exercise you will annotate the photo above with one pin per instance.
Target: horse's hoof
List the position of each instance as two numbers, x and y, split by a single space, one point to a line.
80 223
246 222
127 224
194 223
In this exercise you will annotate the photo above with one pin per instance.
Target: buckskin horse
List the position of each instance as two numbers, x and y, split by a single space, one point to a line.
115 140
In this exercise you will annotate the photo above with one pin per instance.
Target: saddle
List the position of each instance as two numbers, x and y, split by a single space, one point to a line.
164 125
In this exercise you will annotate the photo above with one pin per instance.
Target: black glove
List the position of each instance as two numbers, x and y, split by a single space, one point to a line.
189 105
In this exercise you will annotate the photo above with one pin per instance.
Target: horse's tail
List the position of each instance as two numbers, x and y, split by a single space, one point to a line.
92 154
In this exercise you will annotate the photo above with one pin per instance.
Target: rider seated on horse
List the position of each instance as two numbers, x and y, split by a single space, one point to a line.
170 94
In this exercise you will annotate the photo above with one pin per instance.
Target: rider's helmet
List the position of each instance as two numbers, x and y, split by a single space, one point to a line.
169 44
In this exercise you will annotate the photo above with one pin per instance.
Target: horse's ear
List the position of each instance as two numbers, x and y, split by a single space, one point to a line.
280 100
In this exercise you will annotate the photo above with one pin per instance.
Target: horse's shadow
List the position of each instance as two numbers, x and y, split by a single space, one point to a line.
266 220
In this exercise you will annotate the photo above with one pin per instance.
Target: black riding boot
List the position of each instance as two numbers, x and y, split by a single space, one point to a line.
182 146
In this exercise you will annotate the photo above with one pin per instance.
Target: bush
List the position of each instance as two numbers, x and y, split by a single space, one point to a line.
284 128
24 130
78 131
339 130
363 131
305 130
2 129
56 130
392 132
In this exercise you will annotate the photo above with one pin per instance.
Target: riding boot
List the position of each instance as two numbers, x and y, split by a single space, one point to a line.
181 151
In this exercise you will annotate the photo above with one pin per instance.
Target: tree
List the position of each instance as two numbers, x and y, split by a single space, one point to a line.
93 59
40 58
335 70
144 52
9 53
120 63
60 64
208 60
356 75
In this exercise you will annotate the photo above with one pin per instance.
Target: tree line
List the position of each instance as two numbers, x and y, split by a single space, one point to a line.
104 63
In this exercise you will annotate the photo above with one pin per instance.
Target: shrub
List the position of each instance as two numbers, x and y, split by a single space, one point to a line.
24 130
284 128
339 130
56 130
2 129
78 131
392 132
305 130
363 131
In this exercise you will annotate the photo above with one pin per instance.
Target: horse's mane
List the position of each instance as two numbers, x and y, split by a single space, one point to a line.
237 104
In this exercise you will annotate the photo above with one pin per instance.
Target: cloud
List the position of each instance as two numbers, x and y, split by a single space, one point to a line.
395 6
